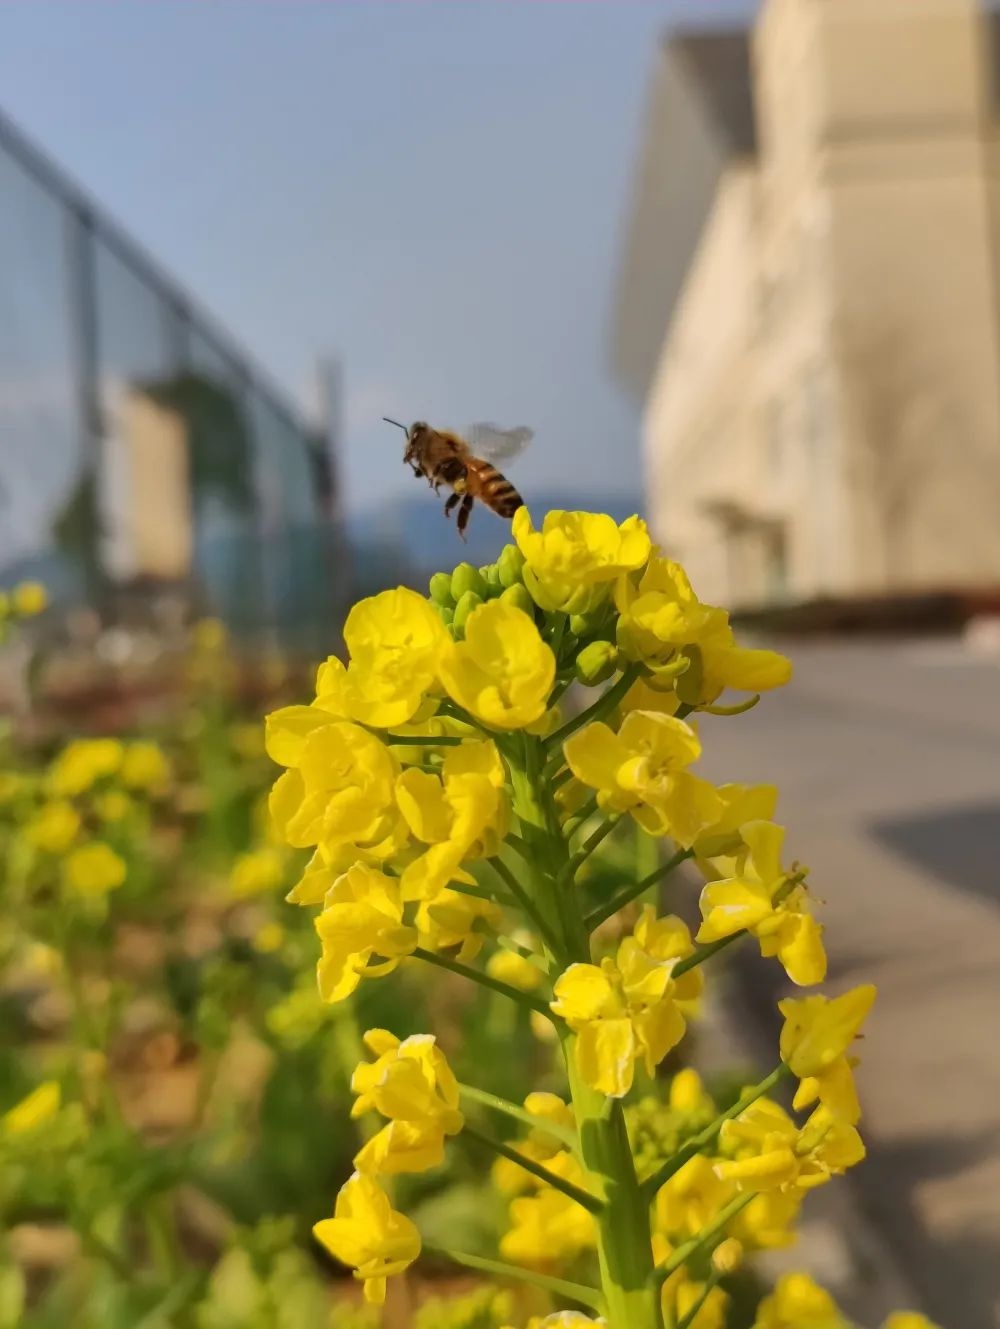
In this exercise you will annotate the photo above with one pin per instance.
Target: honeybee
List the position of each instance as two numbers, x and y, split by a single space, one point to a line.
464 464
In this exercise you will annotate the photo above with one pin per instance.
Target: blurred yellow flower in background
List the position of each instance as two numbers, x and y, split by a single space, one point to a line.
54 827
82 763
92 870
257 872
144 766
34 1111
28 599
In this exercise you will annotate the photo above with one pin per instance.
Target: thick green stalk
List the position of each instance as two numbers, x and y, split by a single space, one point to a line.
624 1245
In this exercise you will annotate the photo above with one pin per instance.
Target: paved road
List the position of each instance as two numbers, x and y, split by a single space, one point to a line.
888 758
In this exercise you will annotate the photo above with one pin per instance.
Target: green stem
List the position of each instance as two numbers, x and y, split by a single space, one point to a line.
702 953
583 1198
631 892
589 845
485 980
688 1320
604 704
572 824
524 899
740 708
624 1244
707 1235
697 1143
588 1297
498 1104
481 893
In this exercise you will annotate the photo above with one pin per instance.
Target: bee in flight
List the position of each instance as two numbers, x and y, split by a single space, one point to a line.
464 464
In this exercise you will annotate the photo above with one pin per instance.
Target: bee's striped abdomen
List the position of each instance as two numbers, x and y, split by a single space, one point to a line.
495 490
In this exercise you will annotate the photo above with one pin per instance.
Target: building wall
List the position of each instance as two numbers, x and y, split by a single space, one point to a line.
825 416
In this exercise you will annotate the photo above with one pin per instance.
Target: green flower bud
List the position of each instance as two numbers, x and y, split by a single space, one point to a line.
466 578
440 588
518 596
596 663
447 615
490 574
509 566
469 601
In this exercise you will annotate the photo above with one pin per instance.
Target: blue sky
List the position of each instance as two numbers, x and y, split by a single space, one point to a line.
434 193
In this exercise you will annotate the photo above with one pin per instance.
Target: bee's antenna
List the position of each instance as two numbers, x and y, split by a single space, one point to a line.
396 423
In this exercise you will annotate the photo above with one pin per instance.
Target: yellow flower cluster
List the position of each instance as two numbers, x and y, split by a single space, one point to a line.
631 1007
412 1085
440 791
799 1303
78 819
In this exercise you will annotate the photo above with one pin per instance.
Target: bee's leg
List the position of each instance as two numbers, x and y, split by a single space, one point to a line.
464 513
452 504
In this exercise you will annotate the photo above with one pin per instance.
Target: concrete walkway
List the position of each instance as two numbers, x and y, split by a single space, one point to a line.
888 760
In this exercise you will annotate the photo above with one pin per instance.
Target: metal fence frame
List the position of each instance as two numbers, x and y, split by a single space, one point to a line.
86 227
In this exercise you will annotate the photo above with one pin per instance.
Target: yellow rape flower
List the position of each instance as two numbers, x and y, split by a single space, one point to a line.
82 763
570 564
661 620
362 919
452 918
741 803
772 1153
144 766
268 938
502 673
548 1227
462 813
514 969
257 872
814 1040
28 599
340 790
620 1011
112 805
33 1111
54 827
641 770
658 613
689 1201
724 664
394 641
752 895
411 1083
540 1145
908 1320
768 1221
92 870
681 1294
368 1234
665 940
799 1303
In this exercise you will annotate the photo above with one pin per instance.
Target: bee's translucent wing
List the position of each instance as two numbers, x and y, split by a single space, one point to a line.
495 444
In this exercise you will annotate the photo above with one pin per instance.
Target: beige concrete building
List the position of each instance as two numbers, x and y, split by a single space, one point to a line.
809 305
